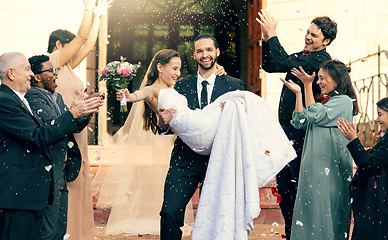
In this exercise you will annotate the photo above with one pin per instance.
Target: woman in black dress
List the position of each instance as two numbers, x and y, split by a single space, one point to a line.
369 187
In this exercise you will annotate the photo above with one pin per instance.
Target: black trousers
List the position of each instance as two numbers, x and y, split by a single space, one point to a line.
54 224
20 224
181 184
287 178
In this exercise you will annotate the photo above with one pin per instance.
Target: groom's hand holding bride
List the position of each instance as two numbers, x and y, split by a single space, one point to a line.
165 116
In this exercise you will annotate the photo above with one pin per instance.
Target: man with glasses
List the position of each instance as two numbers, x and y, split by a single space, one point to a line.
48 105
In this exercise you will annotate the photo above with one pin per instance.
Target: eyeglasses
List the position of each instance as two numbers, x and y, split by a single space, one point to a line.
53 70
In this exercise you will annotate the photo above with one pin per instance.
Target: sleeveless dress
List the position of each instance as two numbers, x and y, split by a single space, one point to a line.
247 148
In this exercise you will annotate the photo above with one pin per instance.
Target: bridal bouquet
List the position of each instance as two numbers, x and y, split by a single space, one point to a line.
117 75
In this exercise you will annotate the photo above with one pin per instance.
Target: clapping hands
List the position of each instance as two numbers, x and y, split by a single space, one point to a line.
292 86
102 7
303 76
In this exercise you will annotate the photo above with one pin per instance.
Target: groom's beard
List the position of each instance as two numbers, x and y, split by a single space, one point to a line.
213 61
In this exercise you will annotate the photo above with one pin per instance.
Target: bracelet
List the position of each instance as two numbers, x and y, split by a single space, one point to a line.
89 9
136 96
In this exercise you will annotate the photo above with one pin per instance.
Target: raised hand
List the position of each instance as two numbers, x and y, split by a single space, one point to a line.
102 7
303 76
347 129
89 4
81 107
268 24
292 86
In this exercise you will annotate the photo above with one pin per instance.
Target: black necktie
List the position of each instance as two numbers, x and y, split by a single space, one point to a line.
204 93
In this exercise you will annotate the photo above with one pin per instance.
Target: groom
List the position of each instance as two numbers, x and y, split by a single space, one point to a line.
187 168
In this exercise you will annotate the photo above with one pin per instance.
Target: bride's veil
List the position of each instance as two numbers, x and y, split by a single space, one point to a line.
131 175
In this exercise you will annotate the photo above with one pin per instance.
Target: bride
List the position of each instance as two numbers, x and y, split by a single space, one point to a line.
246 144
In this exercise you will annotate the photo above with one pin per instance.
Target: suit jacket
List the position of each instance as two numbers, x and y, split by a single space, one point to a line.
182 155
25 159
44 107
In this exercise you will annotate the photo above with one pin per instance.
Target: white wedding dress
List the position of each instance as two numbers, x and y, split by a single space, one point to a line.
247 148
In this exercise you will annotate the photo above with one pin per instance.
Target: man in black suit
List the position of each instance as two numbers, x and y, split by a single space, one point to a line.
48 105
25 159
187 168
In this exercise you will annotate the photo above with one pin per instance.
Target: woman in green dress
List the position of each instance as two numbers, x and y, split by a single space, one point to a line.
322 207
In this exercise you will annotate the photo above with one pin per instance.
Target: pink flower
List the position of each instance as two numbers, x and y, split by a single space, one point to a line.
127 71
104 71
118 70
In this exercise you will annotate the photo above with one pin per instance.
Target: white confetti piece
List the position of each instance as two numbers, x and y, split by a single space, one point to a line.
70 144
330 109
299 223
263 235
28 151
39 111
302 120
128 194
349 179
48 168
90 129
346 235
275 224
327 171
293 180
52 122
114 150
66 237
351 200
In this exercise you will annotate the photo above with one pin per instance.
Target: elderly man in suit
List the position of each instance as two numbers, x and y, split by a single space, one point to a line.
187 168
48 105
25 157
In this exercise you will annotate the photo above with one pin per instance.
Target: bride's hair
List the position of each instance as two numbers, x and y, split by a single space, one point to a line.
163 57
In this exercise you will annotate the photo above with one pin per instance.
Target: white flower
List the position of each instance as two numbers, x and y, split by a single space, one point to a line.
299 223
48 168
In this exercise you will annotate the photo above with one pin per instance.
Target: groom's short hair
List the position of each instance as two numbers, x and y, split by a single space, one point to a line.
207 36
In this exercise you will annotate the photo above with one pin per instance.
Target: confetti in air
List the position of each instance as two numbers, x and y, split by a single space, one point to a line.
70 144
327 171
48 168
299 223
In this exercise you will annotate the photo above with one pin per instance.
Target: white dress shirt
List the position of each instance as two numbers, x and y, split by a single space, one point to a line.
211 79
24 100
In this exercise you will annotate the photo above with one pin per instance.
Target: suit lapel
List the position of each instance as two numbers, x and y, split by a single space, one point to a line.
191 92
9 91
218 88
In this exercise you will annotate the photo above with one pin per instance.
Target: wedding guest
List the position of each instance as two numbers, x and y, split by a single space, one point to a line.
319 35
186 165
322 206
369 187
25 156
48 105
67 51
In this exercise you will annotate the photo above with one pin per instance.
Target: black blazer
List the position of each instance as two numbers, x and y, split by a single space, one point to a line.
182 155
369 190
25 171
42 105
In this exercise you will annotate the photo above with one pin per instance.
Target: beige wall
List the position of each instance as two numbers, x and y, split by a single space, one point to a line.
26 24
362 25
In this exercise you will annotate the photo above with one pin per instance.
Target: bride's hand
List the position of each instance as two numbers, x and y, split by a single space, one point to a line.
120 94
220 70
292 86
